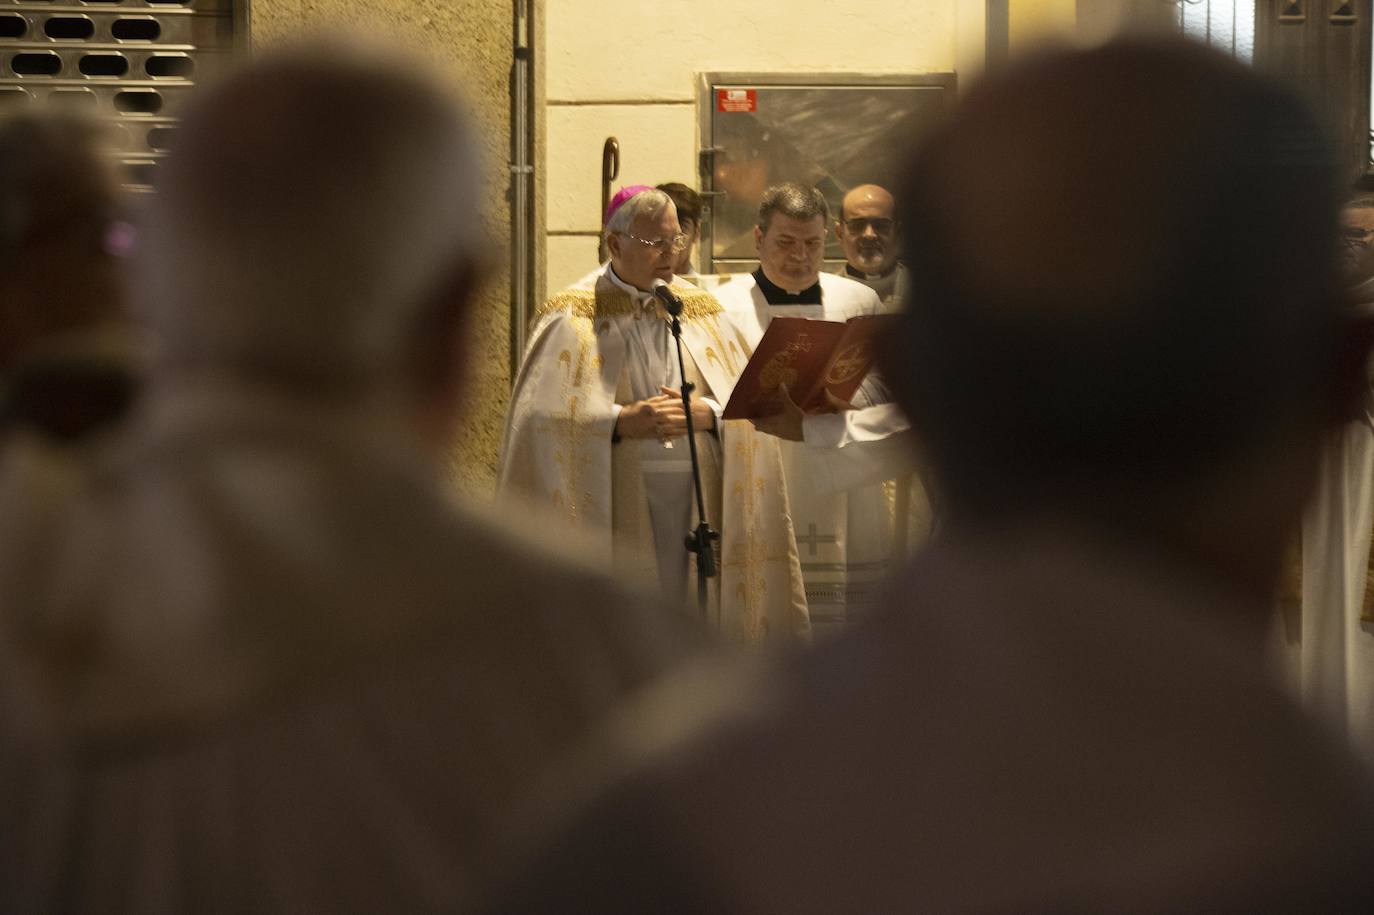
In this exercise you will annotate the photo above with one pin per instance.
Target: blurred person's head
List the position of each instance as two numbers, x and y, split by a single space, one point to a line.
1125 302
58 206
790 235
644 239
867 229
68 363
317 227
689 207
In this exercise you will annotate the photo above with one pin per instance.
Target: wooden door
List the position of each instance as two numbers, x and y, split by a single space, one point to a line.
1324 46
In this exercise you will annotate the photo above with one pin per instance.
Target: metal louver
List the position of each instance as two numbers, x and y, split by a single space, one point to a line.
130 62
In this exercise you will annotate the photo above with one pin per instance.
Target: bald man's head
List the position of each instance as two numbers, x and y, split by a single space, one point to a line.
315 211
867 229
867 196
1123 271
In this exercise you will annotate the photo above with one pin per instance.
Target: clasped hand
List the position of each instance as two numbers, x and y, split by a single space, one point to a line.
662 417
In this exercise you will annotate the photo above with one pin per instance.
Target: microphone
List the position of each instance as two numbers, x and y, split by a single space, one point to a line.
671 303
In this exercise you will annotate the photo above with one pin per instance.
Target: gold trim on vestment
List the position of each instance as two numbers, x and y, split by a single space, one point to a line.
588 303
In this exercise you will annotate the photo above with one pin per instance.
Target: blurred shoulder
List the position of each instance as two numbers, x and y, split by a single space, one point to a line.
545 573
33 467
40 483
605 831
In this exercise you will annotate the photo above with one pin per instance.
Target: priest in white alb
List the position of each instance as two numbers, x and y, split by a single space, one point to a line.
835 463
597 432
867 232
1336 655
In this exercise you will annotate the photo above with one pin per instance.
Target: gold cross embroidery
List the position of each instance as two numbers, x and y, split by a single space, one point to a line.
571 458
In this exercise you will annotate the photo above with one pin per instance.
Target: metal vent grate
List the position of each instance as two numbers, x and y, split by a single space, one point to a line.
131 62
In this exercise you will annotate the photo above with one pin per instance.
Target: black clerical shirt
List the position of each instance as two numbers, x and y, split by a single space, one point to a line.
774 294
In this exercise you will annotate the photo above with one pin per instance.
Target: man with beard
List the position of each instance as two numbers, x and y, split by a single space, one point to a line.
867 231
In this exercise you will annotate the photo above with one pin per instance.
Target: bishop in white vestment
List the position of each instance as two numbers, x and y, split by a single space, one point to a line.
600 369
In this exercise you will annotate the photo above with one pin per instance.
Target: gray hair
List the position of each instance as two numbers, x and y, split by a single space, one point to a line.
796 201
315 203
650 203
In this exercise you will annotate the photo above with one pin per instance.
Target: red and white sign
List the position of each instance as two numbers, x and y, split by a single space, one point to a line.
737 100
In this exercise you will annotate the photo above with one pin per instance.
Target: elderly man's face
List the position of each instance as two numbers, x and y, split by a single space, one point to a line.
868 231
649 251
791 250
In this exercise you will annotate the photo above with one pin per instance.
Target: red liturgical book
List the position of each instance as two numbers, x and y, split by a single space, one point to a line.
810 357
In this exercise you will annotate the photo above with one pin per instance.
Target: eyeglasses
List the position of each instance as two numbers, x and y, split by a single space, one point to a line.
879 225
662 245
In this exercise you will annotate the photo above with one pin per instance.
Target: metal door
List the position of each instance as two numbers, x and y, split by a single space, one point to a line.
831 131
130 62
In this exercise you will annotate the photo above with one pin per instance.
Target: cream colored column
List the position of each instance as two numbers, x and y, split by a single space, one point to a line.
472 41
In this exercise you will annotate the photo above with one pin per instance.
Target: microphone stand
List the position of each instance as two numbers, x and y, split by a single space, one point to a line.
699 540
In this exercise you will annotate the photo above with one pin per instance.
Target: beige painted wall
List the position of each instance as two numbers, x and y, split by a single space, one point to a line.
472 42
1034 21
627 68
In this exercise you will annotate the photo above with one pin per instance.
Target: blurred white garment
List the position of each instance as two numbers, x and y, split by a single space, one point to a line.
595 349
1337 648
255 659
1038 719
